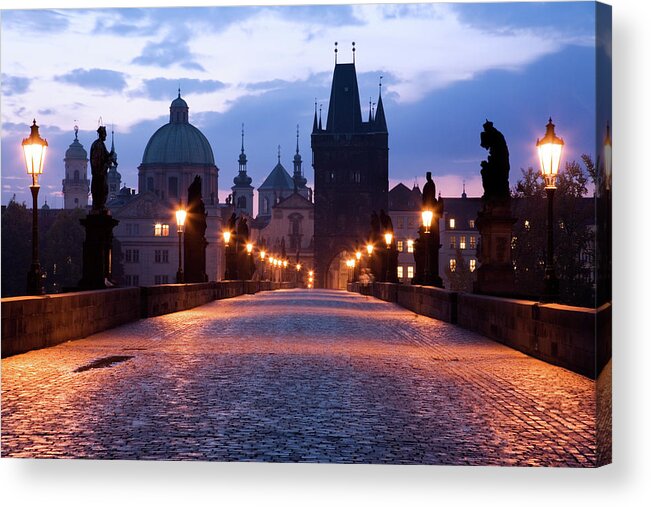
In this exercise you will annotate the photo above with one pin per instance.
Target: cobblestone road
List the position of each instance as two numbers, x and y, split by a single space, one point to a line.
312 376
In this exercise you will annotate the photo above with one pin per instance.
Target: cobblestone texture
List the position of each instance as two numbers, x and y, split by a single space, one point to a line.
310 376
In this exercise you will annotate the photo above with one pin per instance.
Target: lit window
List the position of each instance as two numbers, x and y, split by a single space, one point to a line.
410 245
158 230
462 242
410 271
166 230
527 225
453 265
400 246
473 264
473 242
453 242
400 272
471 223
452 223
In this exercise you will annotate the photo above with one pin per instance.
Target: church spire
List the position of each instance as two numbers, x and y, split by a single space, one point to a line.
242 158
242 179
299 180
320 124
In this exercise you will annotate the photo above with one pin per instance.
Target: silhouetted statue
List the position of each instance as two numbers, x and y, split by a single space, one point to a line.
231 223
495 170
100 161
242 230
195 235
429 192
385 221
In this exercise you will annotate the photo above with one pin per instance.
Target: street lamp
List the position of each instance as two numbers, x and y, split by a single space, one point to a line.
249 248
388 239
34 149
369 249
550 148
231 269
427 216
181 215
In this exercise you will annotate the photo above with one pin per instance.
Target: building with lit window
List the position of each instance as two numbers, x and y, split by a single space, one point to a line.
405 212
459 236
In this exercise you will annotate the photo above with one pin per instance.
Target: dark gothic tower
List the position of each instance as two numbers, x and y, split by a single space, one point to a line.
351 172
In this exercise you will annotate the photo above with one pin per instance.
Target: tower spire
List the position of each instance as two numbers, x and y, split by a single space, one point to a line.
380 120
315 125
279 154
297 138
320 124
353 52
336 50
242 138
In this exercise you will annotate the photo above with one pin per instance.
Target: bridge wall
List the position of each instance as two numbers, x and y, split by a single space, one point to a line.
578 339
35 322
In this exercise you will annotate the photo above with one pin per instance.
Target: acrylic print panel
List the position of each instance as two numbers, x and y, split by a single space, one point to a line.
303 311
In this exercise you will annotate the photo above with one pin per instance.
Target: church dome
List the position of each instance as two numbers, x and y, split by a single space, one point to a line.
76 150
178 142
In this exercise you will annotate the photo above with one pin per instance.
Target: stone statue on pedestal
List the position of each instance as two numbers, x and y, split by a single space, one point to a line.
495 223
100 162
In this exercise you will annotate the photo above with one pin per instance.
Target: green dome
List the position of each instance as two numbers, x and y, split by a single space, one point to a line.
178 143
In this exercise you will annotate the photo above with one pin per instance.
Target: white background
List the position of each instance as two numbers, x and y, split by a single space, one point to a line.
626 482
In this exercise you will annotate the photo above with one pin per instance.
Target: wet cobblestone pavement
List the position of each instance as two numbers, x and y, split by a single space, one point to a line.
310 376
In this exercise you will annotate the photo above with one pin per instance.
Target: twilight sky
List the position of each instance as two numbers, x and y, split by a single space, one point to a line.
446 67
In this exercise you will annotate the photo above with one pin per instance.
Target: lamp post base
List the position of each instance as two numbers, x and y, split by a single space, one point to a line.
35 281
179 276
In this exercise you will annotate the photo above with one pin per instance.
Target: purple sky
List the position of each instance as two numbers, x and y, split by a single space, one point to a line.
446 68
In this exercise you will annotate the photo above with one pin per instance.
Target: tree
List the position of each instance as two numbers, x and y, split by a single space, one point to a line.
62 250
16 248
573 233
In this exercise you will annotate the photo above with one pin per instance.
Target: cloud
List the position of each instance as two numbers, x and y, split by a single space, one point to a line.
163 88
98 79
43 21
170 51
14 85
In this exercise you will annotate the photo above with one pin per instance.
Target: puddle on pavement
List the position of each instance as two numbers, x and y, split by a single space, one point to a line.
104 362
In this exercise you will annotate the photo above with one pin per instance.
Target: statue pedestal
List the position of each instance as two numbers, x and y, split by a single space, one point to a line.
495 274
96 271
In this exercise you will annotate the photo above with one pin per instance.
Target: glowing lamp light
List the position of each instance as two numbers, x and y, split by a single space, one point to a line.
227 237
550 149
608 157
284 264
388 238
262 254
249 248
34 149
427 216
181 215
298 267
358 255
369 249
311 273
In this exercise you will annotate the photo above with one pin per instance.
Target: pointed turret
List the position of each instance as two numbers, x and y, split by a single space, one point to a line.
380 120
113 178
242 189
315 125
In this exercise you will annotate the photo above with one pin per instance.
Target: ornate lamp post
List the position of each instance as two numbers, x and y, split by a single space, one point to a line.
427 215
388 239
181 214
550 148
34 149
228 275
